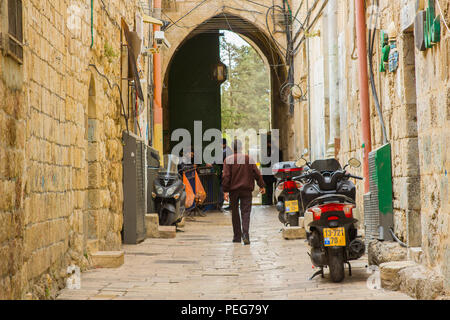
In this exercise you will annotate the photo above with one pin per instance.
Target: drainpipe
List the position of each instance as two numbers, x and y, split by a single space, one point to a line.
157 92
309 87
333 76
92 24
363 89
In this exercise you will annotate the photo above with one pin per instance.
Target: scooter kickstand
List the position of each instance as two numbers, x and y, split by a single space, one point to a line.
317 273
349 269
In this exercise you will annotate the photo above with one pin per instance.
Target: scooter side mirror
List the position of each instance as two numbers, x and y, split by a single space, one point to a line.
301 163
354 163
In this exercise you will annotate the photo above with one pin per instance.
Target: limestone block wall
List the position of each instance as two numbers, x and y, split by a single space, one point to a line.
415 107
60 146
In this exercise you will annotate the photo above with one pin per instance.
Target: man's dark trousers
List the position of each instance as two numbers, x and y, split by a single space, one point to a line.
245 198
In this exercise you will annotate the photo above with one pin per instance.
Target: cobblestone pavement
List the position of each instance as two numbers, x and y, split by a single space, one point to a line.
203 263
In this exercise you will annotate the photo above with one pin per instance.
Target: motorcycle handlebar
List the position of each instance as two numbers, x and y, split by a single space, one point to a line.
307 176
355 177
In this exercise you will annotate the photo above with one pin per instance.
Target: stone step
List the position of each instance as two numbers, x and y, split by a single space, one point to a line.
389 273
92 246
293 233
154 230
167 232
108 259
151 225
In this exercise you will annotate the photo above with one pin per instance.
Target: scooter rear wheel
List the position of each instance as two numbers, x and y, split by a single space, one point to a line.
336 264
293 220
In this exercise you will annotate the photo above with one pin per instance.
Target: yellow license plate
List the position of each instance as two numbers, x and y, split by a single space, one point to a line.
334 237
291 206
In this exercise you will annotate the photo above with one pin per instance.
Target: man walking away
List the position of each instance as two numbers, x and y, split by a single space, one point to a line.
239 175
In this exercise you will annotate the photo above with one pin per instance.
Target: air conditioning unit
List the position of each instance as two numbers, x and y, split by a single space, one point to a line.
378 209
134 189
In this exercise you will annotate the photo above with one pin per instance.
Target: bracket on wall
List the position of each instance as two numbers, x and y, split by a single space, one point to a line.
427 27
312 34
150 51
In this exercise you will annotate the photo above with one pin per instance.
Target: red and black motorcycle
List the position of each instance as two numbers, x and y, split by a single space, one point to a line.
287 193
329 222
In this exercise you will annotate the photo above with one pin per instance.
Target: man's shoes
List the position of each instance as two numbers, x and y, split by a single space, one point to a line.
246 240
236 240
227 208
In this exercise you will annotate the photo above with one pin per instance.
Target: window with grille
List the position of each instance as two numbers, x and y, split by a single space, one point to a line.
14 37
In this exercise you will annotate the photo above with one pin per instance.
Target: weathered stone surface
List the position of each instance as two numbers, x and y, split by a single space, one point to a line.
420 283
108 259
151 225
167 232
415 254
389 273
203 263
293 233
383 251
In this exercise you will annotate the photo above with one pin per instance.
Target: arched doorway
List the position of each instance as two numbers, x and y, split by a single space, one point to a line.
200 49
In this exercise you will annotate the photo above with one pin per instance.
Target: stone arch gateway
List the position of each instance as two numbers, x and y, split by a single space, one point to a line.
255 35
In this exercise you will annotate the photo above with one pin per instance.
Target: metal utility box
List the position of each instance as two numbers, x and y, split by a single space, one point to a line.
134 205
153 166
378 209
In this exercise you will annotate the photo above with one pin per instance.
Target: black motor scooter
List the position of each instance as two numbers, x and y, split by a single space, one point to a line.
332 232
169 193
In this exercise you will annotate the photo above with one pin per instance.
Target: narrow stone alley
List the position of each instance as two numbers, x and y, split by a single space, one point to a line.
203 263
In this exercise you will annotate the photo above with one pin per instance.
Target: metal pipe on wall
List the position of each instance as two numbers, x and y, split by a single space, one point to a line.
157 93
363 88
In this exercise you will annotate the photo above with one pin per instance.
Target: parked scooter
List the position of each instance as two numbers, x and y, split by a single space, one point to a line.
287 193
169 192
332 232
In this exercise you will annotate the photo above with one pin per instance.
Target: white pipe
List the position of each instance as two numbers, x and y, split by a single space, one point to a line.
333 75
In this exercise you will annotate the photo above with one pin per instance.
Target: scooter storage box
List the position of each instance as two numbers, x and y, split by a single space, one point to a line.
286 170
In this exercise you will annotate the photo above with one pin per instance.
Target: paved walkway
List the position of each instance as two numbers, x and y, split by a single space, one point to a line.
203 263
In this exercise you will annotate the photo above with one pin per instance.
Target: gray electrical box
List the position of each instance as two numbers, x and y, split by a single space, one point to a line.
134 187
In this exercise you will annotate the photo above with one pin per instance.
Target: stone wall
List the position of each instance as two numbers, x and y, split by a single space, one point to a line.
415 107
60 144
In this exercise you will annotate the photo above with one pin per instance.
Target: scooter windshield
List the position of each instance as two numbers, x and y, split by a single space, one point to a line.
326 165
170 165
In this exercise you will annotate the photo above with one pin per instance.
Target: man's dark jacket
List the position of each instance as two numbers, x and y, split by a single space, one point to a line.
240 173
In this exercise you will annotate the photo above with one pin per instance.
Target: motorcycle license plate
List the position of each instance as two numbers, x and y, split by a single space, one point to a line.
334 237
291 206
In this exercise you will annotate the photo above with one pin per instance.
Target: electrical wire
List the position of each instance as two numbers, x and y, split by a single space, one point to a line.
442 14
188 13
112 86
319 14
372 33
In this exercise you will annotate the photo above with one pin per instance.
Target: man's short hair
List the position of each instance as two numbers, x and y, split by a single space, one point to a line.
237 145
224 141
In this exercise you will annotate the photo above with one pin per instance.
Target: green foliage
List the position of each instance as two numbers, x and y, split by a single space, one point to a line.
110 54
246 94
